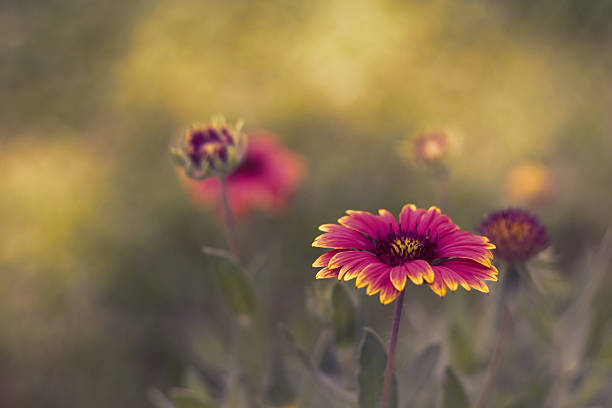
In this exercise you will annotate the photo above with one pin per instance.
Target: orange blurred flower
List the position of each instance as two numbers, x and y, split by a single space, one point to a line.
529 183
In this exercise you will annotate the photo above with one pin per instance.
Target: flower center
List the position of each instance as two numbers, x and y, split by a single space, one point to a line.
397 248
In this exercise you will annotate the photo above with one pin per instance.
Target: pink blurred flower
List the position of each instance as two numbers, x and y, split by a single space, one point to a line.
265 180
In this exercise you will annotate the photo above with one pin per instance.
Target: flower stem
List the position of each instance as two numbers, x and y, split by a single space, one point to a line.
230 228
384 403
508 297
497 356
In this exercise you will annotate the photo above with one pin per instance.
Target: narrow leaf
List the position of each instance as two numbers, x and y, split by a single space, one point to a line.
454 394
186 398
421 370
344 317
234 285
372 362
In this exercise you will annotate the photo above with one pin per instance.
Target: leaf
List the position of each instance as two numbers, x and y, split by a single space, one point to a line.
421 369
322 378
187 398
462 349
195 382
329 363
372 362
234 285
158 399
344 316
454 394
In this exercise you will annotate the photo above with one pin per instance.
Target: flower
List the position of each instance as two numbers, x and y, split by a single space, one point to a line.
529 183
517 234
424 246
431 147
266 178
212 149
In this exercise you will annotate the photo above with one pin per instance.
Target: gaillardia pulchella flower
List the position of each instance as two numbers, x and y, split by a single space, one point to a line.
424 246
516 234
209 150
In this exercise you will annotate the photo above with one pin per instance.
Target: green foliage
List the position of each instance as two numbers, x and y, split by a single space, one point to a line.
188 398
234 286
421 370
454 395
462 349
280 390
372 362
344 316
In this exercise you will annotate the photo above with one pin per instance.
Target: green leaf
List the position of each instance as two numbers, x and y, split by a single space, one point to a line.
454 394
344 316
235 286
421 370
158 399
462 349
372 362
195 382
186 398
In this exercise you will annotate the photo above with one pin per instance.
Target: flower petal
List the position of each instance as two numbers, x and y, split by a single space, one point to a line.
370 273
364 222
438 286
323 260
467 272
351 263
339 237
398 277
388 294
327 273
410 217
388 220
419 270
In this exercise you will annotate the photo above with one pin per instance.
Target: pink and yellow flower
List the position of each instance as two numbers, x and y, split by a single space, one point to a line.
265 180
424 246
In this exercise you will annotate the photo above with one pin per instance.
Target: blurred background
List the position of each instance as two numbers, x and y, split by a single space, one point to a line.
104 291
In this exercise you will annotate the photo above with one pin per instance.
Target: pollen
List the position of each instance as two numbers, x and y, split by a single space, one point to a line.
406 247
402 246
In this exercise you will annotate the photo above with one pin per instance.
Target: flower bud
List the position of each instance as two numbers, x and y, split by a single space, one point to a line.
211 150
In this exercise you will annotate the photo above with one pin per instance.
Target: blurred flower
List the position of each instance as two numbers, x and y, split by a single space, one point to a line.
516 234
209 150
424 246
529 182
431 147
266 178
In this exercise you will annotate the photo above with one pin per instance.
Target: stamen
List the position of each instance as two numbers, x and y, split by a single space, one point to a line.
403 246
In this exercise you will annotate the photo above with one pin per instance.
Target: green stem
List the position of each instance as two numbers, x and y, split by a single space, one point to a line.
384 403
500 343
230 228
508 296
